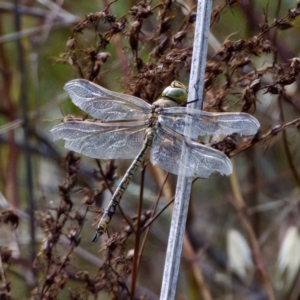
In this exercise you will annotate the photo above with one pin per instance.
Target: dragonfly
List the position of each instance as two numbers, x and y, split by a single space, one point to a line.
126 127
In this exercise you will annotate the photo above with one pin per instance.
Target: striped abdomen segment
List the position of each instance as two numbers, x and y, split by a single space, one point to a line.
118 194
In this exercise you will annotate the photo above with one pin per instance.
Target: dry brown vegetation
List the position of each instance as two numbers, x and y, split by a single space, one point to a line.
142 47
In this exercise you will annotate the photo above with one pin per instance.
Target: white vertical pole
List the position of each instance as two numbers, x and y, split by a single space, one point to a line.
183 189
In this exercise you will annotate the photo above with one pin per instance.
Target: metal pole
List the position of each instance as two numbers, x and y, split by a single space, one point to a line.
184 183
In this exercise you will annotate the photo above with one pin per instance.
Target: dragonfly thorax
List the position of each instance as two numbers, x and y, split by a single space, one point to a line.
165 102
156 109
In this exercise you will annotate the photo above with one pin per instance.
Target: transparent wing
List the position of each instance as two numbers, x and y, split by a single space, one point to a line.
202 160
205 123
104 104
101 140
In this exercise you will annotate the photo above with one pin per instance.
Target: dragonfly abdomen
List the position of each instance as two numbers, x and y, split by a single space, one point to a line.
118 194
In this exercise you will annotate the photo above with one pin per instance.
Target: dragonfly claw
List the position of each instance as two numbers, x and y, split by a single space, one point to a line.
96 237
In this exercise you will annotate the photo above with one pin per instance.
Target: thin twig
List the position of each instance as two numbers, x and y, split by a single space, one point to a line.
151 216
191 255
33 31
286 147
268 135
26 127
254 244
136 257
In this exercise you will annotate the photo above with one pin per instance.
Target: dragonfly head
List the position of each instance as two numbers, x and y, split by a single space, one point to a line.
176 91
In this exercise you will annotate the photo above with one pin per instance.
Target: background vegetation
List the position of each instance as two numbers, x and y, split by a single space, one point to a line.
242 239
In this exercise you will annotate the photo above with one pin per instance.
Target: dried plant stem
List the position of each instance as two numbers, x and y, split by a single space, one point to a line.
198 276
285 142
2 274
10 169
159 176
23 101
256 251
136 257
286 146
267 136
152 215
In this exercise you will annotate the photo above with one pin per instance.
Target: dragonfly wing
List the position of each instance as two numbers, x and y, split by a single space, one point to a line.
101 140
202 161
206 123
106 105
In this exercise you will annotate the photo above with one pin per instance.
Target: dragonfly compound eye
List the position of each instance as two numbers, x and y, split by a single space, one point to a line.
176 92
